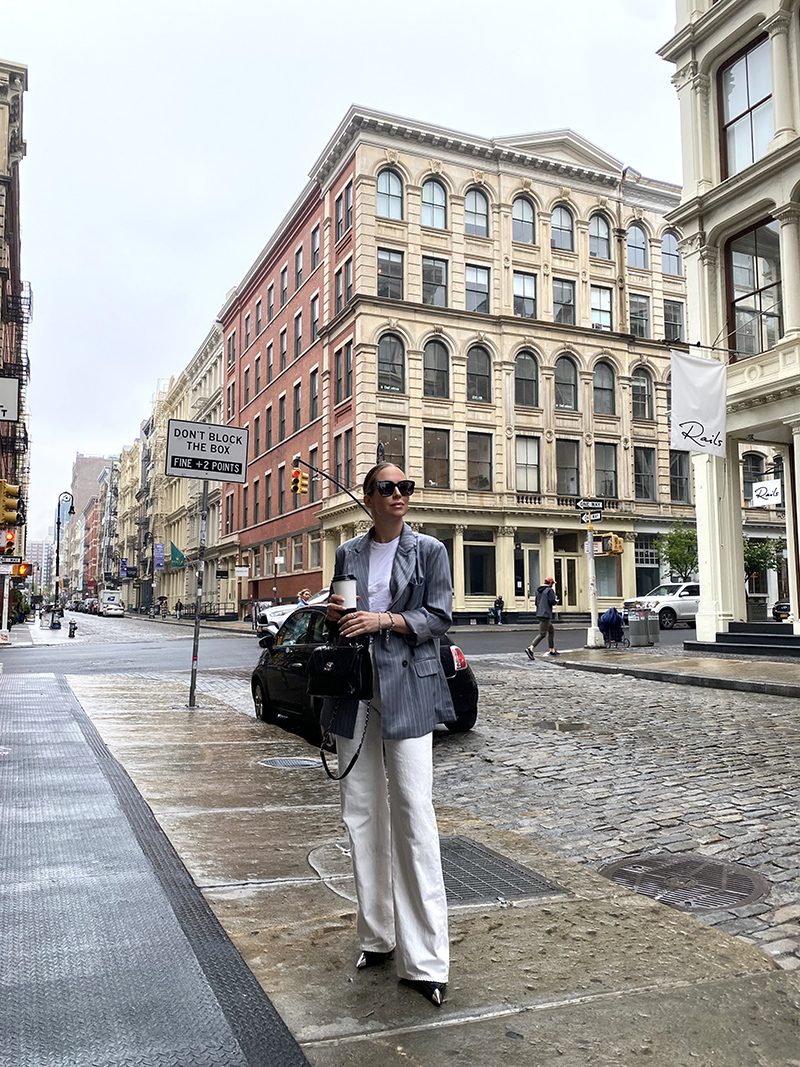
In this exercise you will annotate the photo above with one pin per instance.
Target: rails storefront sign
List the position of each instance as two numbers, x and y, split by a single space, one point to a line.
766 494
203 450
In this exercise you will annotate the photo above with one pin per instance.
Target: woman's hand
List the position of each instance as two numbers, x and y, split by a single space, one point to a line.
356 623
335 607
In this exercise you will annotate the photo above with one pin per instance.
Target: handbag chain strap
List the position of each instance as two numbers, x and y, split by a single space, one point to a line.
328 738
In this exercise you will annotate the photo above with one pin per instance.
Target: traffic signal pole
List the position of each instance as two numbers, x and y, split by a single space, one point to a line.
4 630
594 638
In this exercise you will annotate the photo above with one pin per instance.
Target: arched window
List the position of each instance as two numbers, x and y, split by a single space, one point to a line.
434 205
476 214
642 394
637 247
391 364
479 371
671 262
604 399
436 370
599 237
566 380
390 195
522 218
526 381
561 229
752 471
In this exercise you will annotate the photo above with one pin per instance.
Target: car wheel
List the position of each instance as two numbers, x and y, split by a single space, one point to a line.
260 702
667 618
464 723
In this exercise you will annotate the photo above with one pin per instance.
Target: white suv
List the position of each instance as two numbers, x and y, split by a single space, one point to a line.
673 601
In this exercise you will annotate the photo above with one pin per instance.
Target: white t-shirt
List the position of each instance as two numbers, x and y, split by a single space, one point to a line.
381 561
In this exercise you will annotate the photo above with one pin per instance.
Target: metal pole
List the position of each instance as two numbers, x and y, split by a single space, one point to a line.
6 585
201 559
594 639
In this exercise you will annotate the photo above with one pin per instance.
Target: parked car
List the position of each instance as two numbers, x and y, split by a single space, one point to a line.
269 620
673 601
280 677
781 610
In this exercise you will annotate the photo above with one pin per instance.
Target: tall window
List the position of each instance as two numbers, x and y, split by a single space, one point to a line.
754 269
256 437
568 482
642 394
605 470
258 317
314 551
268 429
283 349
390 274
298 413
390 195
343 364
479 461
562 234
282 419
637 247
752 471
348 457
245 507
338 459
256 503
247 385
229 513
281 490
477 294
314 318
315 248
269 363
604 395
339 279
644 473
313 395
348 281
673 320
391 364
671 262
601 307
527 456
745 90
232 348
679 478
566 383
599 237
297 552
436 458
522 221
284 285
298 334
640 315
313 478
526 380
298 268
479 370
564 302
434 205
257 367
348 205
393 440
434 282
436 370
270 303
338 215
476 214
524 295
247 330
268 498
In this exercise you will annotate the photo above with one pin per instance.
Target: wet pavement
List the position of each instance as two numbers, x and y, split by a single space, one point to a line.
566 771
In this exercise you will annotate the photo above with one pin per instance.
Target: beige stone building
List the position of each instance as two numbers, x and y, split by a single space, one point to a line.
738 80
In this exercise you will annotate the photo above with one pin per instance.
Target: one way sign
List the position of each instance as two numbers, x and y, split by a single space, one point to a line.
590 505
591 516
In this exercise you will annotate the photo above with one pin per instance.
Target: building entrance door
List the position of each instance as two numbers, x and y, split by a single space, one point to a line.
566 576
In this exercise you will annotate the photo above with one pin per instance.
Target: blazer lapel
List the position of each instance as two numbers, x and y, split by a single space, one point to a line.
405 562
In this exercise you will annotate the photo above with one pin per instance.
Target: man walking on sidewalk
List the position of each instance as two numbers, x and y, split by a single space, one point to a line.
545 602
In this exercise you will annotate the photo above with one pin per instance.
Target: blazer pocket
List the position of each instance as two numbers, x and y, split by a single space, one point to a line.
426 667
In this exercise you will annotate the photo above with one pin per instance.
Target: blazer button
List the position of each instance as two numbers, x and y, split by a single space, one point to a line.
405 662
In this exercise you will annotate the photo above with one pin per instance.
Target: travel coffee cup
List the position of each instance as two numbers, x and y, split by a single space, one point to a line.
344 585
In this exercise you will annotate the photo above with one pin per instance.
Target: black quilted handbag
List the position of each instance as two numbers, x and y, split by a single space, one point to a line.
343 671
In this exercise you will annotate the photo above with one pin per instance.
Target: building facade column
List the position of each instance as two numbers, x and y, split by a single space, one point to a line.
504 562
547 559
720 548
789 218
792 531
458 568
782 96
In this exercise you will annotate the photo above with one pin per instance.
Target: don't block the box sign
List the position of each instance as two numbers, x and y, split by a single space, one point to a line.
9 399
203 450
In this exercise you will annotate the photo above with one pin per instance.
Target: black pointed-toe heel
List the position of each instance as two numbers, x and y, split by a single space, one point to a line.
371 959
432 991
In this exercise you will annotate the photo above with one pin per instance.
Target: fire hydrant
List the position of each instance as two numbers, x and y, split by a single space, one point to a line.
73 626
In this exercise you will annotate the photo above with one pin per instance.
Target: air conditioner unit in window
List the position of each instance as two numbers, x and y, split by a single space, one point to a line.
597 326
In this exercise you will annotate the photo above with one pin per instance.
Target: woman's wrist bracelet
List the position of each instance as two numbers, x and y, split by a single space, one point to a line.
379 621
391 620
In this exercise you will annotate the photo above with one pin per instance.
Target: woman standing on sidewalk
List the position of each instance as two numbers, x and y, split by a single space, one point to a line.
405 595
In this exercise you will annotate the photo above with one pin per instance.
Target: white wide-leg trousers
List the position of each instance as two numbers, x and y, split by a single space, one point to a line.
387 808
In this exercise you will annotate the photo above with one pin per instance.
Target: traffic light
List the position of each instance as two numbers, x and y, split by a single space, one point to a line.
20 570
613 545
296 476
9 542
9 503
303 487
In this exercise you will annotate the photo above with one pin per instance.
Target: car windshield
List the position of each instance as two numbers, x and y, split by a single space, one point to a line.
669 589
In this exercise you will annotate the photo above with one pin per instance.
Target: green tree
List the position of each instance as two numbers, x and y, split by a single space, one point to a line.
762 555
678 550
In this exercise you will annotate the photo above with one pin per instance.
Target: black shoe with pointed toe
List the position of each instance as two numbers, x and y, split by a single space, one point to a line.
371 959
432 991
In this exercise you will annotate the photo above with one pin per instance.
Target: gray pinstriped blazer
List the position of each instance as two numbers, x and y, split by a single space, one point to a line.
414 690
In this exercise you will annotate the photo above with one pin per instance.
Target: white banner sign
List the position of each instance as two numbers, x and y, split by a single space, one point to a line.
766 494
241 572
9 399
698 404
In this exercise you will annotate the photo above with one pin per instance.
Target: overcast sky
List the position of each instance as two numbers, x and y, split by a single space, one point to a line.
167 139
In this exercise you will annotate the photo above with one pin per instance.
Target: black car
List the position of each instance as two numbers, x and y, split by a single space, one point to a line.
281 675
781 610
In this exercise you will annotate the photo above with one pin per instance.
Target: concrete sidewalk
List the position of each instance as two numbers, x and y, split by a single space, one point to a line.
587 974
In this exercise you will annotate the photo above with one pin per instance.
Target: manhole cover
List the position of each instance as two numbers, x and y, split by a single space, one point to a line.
690 882
474 874
291 763
562 727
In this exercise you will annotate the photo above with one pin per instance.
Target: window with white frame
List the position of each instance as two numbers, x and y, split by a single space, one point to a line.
527 456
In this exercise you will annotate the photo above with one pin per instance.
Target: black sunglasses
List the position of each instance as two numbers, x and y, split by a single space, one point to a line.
404 488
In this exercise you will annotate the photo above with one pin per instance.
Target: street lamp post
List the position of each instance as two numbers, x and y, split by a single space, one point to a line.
62 499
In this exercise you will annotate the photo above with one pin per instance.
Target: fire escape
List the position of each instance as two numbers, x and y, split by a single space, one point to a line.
14 444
